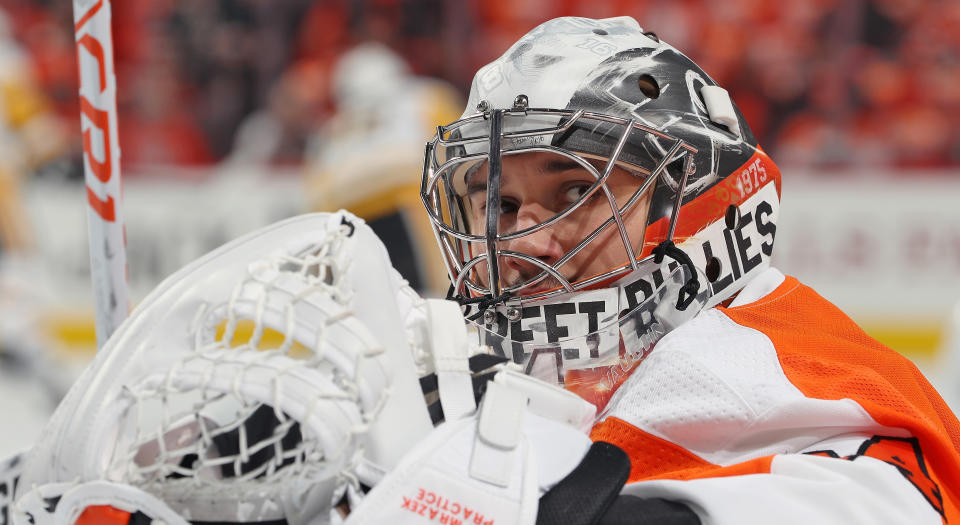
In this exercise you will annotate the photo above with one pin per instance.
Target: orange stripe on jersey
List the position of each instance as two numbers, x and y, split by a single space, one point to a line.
827 356
103 515
655 458
650 456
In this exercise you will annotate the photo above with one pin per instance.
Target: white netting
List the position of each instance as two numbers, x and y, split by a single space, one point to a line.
268 404
213 421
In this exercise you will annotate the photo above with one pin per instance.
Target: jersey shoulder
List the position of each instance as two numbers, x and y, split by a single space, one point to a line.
826 355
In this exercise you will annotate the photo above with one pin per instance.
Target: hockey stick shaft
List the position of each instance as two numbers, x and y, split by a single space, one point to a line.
101 163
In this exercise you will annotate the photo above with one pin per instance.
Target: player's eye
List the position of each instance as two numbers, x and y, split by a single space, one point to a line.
572 193
508 206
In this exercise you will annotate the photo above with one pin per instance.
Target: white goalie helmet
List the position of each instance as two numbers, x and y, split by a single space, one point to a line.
599 189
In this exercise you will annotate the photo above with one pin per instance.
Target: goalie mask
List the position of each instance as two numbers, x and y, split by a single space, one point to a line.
599 189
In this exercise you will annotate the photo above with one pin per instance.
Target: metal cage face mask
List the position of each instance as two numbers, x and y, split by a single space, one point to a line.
464 183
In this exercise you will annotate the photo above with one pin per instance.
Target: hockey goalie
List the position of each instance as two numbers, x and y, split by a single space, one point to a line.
616 347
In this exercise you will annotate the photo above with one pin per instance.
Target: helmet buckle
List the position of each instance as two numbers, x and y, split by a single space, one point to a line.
521 103
513 310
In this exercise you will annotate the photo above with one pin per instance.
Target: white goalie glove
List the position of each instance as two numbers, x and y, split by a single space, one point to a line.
272 380
179 405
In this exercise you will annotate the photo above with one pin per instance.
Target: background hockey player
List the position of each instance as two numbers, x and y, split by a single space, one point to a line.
621 191
382 106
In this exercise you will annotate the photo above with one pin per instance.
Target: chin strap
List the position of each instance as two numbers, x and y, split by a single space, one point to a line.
483 302
689 290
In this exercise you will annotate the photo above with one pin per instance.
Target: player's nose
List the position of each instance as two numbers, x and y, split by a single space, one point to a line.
542 244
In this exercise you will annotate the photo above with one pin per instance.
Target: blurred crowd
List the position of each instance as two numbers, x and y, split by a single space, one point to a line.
824 83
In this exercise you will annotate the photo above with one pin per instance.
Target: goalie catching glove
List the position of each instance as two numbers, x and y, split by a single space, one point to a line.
188 403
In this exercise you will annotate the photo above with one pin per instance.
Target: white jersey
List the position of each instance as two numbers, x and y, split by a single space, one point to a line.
779 406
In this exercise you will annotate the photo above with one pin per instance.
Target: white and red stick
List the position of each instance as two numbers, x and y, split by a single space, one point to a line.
101 163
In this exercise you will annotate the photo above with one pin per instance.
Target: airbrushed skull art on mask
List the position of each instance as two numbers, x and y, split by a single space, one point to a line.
599 190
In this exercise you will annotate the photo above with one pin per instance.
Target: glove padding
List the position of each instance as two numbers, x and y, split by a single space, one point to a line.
633 510
489 467
590 495
100 502
585 494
